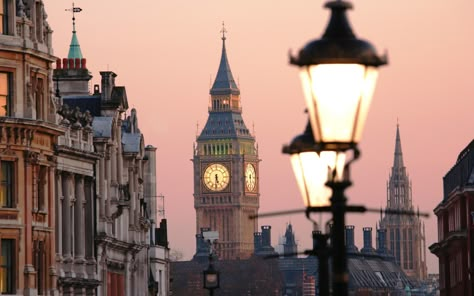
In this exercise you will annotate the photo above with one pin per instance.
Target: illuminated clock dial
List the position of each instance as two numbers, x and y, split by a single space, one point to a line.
216 177
250 178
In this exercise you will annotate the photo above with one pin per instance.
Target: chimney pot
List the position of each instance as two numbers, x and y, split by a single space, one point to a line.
83 64
71 63
77 63
58 64
65 63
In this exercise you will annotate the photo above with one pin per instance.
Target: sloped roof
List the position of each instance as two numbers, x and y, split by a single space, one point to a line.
102 126
225 125
462 172
224 83
74 48
91 103
131 142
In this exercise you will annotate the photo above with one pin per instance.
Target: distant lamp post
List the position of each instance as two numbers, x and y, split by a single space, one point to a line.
211 277
338 74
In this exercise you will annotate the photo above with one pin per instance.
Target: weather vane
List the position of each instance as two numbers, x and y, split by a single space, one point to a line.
223 31
74 10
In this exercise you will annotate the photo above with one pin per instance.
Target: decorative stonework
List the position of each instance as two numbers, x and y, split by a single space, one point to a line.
75 116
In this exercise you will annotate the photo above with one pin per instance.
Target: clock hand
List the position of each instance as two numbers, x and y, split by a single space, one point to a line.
217 179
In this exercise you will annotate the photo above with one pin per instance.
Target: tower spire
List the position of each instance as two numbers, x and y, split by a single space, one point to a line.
74 48
224 84
398 157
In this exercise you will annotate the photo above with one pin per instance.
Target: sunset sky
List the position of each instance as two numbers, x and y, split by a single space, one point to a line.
166 53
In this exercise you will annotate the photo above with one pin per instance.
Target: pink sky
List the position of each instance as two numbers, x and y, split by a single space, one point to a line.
166 52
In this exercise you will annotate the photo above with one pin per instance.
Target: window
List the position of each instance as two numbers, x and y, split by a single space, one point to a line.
6 184
4 17
41 187
7 267
5 93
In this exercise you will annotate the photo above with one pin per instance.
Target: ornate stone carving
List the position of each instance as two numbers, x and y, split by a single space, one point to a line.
31 157
20 8
76 117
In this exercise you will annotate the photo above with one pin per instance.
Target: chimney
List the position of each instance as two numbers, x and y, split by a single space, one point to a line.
367 240
77 62
71 63
350 245
58 64
65 63
257 242
83 64
266 236
108 83
381 240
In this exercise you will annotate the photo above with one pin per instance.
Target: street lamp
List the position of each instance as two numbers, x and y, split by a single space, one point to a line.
338 74
211 278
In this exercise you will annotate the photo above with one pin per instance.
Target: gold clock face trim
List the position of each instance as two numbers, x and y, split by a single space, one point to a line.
250 177
216 177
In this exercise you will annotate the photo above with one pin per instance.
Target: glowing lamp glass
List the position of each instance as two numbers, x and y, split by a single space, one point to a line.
338 98
313 171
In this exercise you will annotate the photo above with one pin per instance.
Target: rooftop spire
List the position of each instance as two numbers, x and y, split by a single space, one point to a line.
224 83
398 158
74 48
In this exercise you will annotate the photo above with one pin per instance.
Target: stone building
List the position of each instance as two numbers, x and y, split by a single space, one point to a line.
105 225
226 169
455 213
405 235
28 134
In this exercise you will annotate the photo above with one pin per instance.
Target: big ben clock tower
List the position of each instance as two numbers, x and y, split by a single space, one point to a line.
226 184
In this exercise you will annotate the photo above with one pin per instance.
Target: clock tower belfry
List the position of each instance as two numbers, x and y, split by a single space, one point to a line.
226 170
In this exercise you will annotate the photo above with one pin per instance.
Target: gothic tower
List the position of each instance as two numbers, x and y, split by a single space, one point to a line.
405 237
226 170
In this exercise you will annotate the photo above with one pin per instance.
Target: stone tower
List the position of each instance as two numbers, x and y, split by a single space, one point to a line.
405 235
226 187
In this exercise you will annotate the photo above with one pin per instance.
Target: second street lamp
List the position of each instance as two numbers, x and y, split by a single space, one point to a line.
338 74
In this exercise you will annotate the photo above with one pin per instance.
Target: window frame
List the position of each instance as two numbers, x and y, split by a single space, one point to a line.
9 95
10 184
11 267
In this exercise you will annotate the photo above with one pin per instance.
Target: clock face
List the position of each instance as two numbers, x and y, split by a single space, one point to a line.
216 177
250 178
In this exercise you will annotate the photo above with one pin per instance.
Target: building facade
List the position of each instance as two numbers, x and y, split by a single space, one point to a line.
226 170
106 185
405 235
28 133
455 213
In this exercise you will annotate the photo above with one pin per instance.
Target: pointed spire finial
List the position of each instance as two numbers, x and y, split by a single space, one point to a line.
223 31
74 10
74 48
398 159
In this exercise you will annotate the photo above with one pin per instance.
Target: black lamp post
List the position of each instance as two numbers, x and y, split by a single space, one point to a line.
211 278
338 74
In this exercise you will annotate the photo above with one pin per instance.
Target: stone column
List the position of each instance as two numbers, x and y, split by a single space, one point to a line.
30 161
66 216
89 218
101 182
59 220
53 212
131 189
114 173
79 236
119 153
